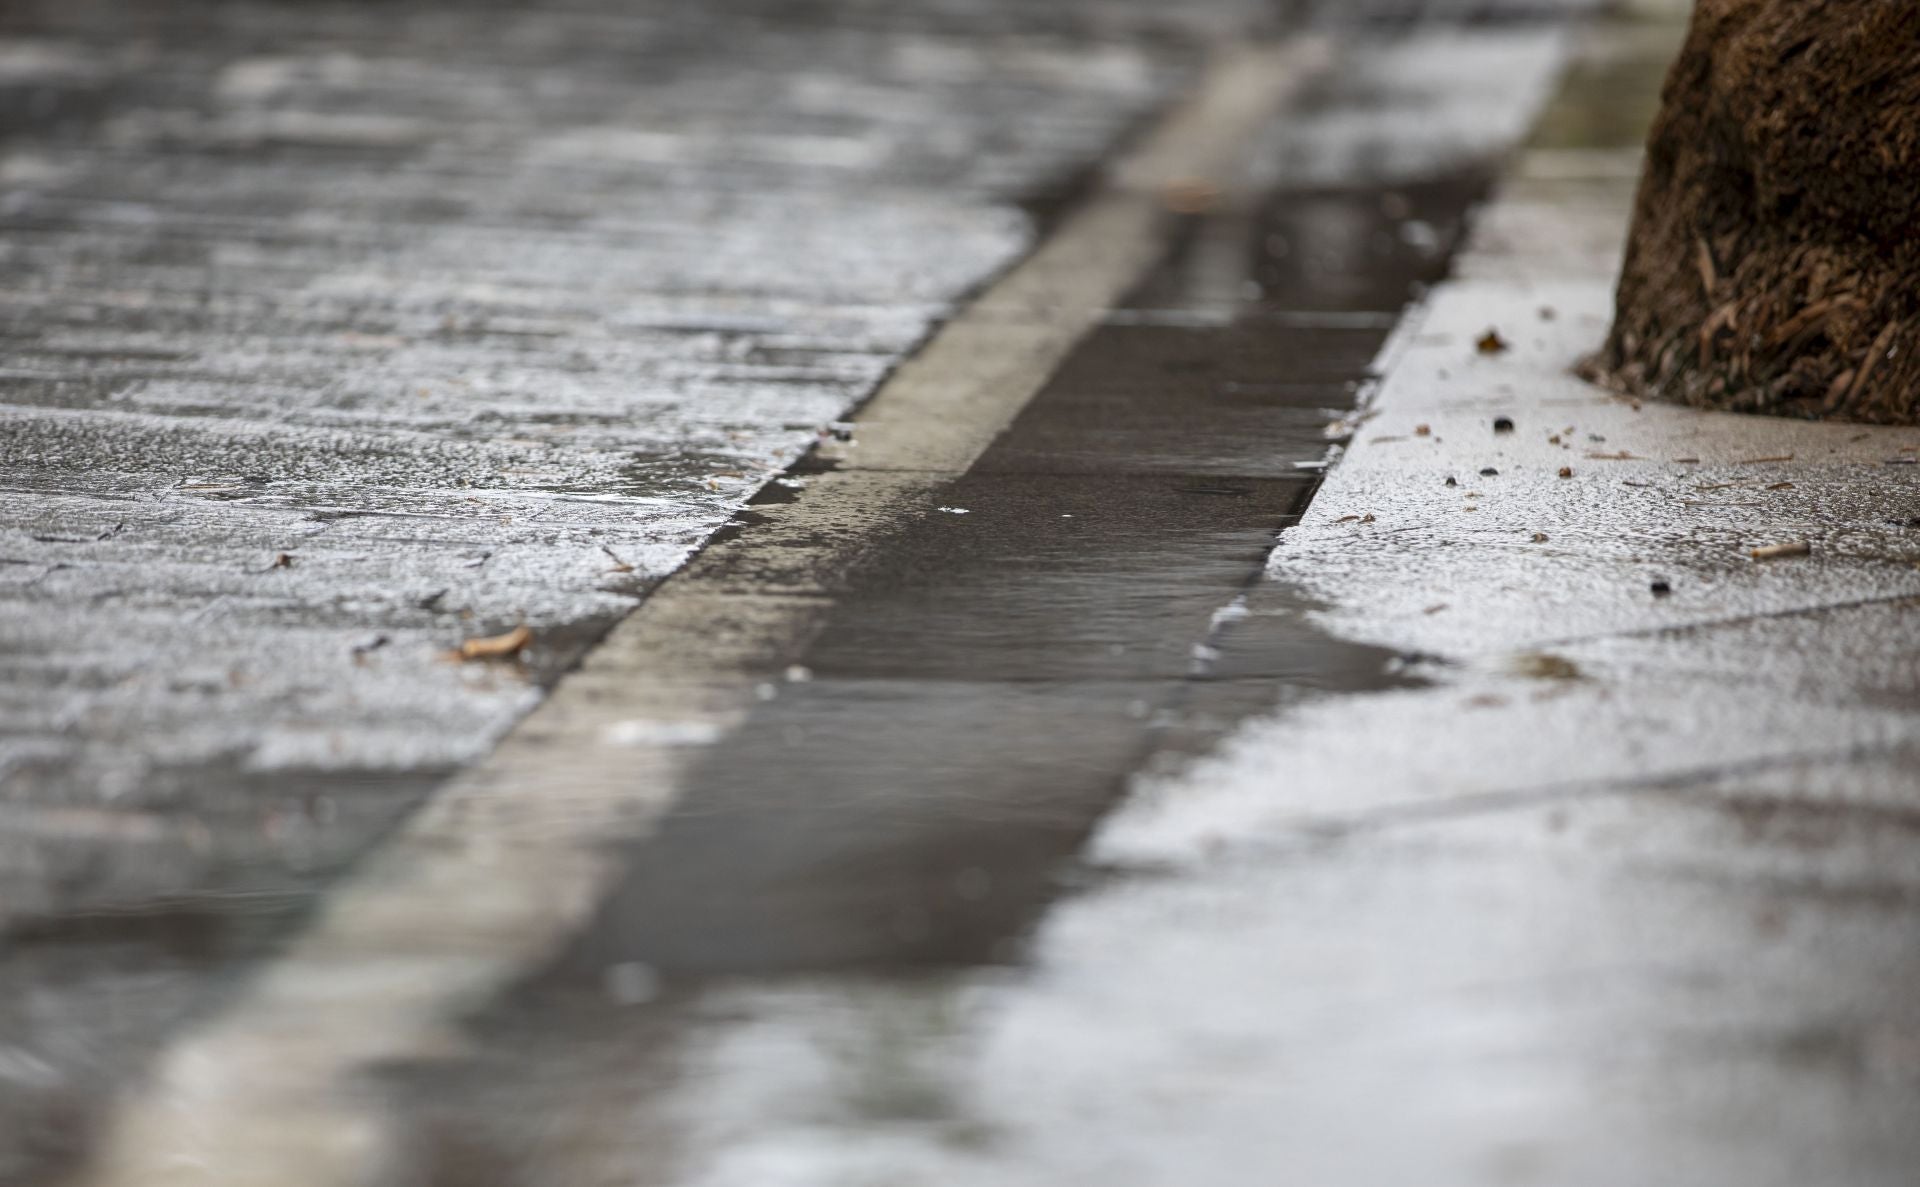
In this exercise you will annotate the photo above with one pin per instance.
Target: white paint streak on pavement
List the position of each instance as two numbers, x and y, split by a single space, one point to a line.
500 868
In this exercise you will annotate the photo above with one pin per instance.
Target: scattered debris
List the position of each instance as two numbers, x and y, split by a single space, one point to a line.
1622 456
955 510
1781 486
798 674
1547 313
282 560
496 646
1660 587
619 566
1452 482
1492 343
1502 424
432 600
1539 665
1566 471
1686 461
361 652
1435 609
1423 430
1774 552
1540 537
1756 461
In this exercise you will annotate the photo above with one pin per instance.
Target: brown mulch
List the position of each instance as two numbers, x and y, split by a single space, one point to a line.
1774 264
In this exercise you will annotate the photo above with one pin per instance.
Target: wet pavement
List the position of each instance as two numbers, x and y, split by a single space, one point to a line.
986 802
873 848
338 336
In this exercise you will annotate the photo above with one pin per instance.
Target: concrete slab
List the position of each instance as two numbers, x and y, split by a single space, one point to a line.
474 317
1614 886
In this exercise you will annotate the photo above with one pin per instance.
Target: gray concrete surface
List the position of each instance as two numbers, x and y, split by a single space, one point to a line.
506 865
478 318
1620 890
977 689
1523 871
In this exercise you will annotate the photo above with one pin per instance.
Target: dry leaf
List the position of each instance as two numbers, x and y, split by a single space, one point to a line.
497 646
1492 343
1774 552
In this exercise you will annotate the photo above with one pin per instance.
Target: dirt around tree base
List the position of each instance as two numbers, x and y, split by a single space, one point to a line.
1774 263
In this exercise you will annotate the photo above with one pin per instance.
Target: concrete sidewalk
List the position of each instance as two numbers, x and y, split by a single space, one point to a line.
1608 878
1619 887
1628 890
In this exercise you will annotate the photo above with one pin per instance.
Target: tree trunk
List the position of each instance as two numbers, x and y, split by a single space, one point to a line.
1774 264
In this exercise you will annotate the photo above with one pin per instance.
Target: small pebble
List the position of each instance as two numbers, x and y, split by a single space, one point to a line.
1566 471
1489 472
1661 589
1451 482
1502 424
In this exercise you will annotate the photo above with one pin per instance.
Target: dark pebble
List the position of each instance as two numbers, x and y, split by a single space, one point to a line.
1502 424
1489 472
1661 589
1451 482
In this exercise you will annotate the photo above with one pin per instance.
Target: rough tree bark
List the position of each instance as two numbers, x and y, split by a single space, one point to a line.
1774 263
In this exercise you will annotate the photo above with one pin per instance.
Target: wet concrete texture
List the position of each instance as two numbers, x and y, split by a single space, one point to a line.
1620 892
986 682
978 697
1623 894
473 321
1584 884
